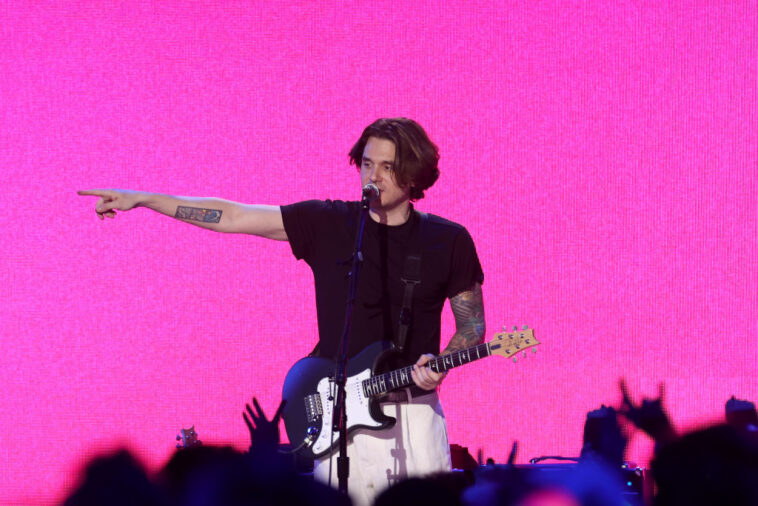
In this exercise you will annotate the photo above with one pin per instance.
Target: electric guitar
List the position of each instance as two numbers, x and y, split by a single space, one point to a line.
310 389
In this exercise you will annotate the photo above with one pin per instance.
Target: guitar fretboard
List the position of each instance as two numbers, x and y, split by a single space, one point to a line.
400 378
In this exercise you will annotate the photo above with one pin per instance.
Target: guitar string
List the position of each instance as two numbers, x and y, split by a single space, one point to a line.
377 385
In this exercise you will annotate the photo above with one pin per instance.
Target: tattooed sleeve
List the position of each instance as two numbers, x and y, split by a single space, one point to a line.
468 310
198 214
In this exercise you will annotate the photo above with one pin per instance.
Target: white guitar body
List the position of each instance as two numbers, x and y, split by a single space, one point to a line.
357 404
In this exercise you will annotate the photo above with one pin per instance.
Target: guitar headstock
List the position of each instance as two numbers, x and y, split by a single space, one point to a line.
188 438
509 344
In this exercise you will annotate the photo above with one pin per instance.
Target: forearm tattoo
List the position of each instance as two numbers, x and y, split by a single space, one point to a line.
197 214
468 310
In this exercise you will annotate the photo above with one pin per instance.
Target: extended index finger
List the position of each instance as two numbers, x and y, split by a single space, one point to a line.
95 193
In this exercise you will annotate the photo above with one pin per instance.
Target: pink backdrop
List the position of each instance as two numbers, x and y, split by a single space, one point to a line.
602 156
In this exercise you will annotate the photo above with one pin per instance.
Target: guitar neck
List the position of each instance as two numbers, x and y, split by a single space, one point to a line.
401 378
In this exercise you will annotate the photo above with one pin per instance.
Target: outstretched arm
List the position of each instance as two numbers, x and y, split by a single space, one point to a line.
468 310
211 213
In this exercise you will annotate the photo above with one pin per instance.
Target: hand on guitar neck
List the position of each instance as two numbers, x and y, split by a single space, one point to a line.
423 376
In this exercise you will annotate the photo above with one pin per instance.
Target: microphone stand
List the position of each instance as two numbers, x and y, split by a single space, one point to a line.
339 417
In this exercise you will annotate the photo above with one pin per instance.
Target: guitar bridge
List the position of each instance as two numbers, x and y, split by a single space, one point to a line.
313 408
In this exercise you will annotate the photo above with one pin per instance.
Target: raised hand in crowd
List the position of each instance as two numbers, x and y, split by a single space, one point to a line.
648 416
264 433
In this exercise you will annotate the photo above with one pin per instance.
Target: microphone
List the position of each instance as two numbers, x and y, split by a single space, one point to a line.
370 192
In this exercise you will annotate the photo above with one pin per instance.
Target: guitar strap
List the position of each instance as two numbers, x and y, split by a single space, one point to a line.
411 277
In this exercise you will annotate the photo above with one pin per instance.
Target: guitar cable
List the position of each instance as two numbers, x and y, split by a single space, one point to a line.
311 433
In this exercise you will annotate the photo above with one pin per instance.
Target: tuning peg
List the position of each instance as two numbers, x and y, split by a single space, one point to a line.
525 327
524 353
534 349
178 437
515 359
515 327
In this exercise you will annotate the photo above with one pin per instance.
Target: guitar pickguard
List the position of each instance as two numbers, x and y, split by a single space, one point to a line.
358 414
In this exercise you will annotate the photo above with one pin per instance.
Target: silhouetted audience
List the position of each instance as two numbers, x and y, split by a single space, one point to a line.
591 483
603 439
717 465
712 466
119 480
208 476
244 479
188 466
443 489
741 415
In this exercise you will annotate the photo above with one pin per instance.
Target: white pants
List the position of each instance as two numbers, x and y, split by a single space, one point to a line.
416 445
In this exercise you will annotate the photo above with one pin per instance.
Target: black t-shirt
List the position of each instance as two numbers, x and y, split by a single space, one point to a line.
323 234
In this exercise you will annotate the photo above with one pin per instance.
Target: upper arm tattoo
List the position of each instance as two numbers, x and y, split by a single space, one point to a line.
468 310
198 214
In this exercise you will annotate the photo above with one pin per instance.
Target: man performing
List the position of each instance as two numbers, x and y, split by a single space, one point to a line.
398 158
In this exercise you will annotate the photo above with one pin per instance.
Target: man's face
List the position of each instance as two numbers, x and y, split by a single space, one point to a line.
377 167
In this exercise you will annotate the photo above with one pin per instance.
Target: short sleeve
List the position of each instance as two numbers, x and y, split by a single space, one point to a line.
302 222
465 269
